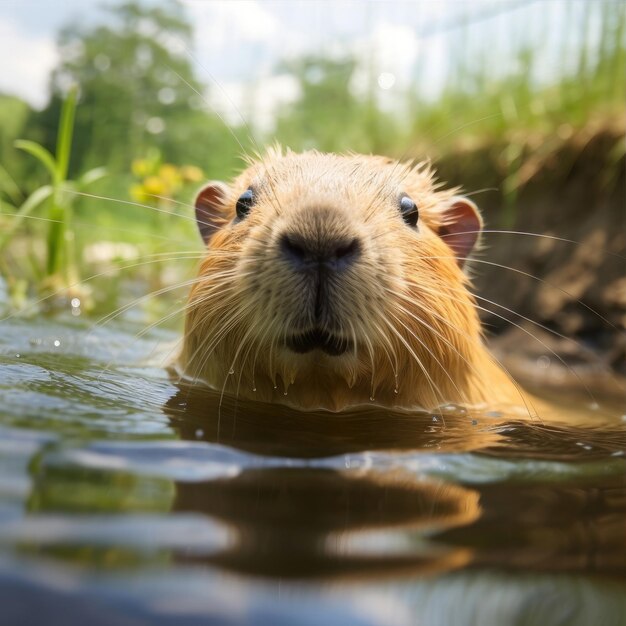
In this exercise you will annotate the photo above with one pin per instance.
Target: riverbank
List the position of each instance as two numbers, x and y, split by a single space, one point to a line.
571 189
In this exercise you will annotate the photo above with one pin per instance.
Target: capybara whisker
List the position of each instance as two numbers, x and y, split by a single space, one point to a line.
346 286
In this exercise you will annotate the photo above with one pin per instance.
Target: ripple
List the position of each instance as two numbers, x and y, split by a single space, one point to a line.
198 461
108 466
139 532
13 374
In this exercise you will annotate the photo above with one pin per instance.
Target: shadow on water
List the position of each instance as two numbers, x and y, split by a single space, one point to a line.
309 522
385 518
277 430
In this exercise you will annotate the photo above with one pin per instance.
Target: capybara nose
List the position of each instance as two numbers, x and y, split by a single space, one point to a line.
334 254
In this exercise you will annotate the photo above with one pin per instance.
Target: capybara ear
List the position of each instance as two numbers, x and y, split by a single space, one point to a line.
210 204
460 226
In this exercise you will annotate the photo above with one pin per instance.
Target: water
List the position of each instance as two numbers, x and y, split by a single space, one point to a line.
125 499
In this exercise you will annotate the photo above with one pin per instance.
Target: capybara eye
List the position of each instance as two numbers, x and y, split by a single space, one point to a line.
409 211
245 203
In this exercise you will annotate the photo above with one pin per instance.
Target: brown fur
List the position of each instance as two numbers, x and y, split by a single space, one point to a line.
405 302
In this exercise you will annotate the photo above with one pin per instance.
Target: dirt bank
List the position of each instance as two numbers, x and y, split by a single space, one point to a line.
572 187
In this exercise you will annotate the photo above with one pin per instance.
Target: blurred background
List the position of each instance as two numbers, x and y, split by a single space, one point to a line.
520 102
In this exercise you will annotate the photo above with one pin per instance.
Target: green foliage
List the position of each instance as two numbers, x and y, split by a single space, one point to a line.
60 269
14 115
138 100
137 92
122 75
476 108
328 115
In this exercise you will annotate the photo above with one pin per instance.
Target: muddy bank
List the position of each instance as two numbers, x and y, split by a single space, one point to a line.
572 187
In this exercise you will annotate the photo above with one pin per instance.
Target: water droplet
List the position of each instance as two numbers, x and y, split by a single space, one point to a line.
17 356
372 398
57 343
199 433
285 392
275 386
435 418
587 448
395 390
253 388
543 362
617 453
231 371
75 303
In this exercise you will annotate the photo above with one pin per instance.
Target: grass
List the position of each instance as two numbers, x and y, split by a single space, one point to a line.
111 235
53 238
60 269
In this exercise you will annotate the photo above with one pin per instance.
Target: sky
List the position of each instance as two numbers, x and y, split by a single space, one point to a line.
239 44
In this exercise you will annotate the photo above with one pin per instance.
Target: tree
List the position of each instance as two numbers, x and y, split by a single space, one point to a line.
328 115
137 90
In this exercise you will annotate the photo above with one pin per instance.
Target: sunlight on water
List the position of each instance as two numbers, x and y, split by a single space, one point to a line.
122 490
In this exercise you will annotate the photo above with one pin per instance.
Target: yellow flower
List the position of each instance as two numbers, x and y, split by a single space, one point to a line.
141 167
138 194
169 174
191 173
153 185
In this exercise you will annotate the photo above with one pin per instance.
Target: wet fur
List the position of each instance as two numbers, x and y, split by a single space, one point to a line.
406 303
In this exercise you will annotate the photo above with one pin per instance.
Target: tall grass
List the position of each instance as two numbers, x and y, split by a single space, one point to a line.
511 112
588 84
60 268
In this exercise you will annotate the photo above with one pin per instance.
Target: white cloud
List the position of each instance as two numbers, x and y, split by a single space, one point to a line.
237 47
277 91
390 50
395 49
223 25
239 102
28 61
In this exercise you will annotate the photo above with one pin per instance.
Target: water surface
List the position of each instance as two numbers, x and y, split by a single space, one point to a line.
126 499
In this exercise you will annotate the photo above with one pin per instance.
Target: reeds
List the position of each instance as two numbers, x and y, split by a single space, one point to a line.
60 267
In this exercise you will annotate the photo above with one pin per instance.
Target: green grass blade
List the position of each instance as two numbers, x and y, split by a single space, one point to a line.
9 186
66 131
56 234
36 198
40 153
91 176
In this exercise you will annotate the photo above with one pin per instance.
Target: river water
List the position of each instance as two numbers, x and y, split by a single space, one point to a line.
126 499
